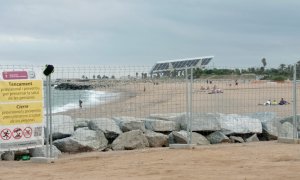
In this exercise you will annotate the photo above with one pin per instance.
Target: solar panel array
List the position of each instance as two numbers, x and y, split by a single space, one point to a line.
161 66
181 64
205 61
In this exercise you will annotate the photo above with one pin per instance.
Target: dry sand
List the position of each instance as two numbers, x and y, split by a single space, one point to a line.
170 97
262 160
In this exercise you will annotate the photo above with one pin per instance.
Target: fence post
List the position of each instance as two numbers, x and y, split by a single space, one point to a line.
295 124
47 117
47 72
50 116
187 119
191 107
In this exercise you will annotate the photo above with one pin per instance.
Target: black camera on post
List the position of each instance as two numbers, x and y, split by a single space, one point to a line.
48 70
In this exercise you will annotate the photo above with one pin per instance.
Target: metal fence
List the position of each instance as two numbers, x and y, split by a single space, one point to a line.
133 92
119 91
85 93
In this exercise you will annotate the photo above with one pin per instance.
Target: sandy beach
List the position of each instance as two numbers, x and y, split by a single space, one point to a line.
262 160
140 99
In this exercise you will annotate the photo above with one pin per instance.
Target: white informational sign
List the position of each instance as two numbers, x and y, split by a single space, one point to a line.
21 110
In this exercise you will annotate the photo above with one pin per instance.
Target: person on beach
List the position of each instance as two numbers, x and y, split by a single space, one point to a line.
283 102
274 102
267 103
80 103
215 90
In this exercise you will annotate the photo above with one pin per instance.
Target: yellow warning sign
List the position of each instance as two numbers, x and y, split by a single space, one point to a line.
21 90
21 113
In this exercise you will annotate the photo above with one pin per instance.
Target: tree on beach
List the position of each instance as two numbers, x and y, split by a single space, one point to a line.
83 76
297 66
282 67
104 77
264 62
94 76
237 71
98 76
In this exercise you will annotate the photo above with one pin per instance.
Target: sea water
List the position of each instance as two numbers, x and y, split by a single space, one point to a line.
64 100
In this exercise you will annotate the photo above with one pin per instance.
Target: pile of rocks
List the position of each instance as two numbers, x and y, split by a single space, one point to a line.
160 130
73 86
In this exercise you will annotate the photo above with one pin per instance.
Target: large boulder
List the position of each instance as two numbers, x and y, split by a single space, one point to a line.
181 137
73 86
8 156
62 126
178 138
82 140
130 140
262 116
236 139
161 125
130 123
252 138
286 130
178 118
270 128
290 119
106 125
206 122
42 152
81 122
156 139
270 123
238 124
218 137
171 138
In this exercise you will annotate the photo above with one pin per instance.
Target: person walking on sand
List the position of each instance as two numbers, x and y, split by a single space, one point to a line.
80 103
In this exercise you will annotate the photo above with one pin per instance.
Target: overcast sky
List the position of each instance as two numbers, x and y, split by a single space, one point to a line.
137 32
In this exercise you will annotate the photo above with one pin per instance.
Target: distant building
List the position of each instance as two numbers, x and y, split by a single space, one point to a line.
177 67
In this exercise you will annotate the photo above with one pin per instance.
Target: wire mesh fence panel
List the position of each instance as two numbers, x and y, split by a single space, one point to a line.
97 92
98 107
106 102
288 125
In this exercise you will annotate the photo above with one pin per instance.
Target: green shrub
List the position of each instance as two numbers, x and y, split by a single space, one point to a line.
278 78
